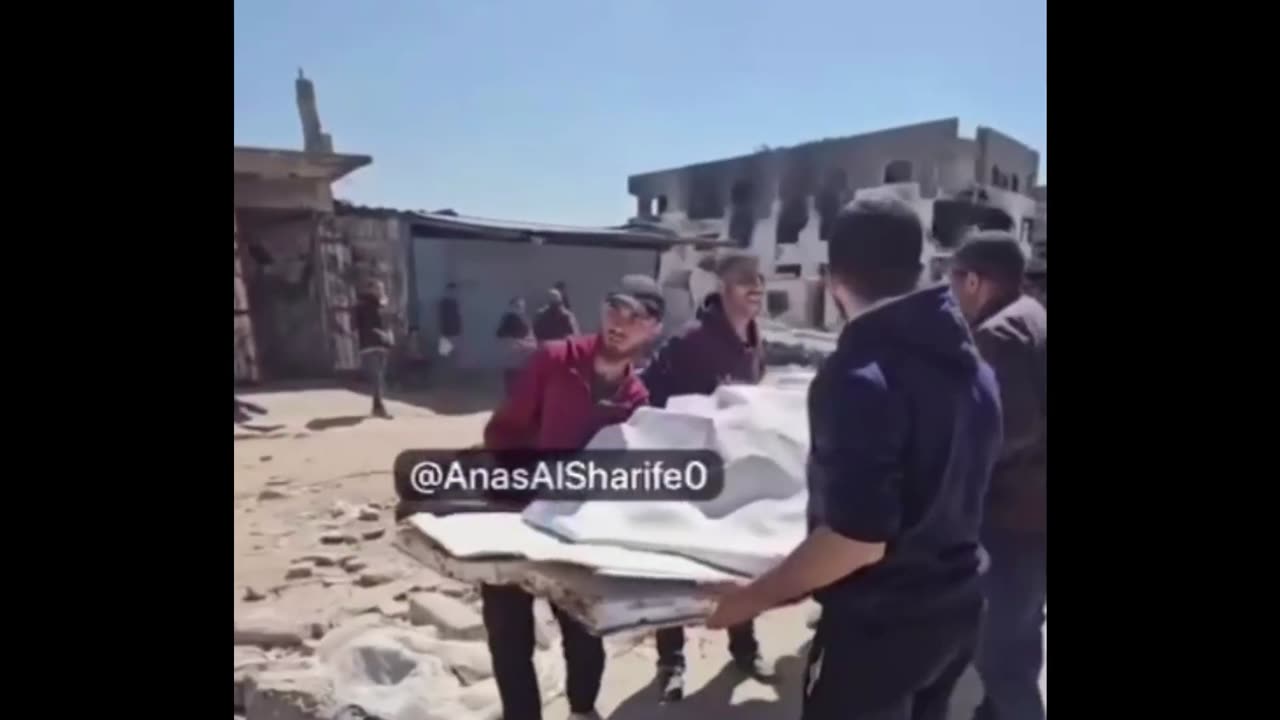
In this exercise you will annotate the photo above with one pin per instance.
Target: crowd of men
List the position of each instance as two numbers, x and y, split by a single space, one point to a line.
926 476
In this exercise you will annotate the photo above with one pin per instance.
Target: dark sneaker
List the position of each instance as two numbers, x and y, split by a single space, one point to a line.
671 684
755 666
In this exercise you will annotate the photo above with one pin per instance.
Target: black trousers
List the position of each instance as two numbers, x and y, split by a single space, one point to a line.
375 367
904 670
670 641
508 619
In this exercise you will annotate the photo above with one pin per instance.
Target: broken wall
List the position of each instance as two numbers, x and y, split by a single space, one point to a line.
280 265
1006 163
379 247
246 355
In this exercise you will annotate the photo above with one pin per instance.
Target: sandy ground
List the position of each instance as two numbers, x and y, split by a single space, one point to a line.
305 469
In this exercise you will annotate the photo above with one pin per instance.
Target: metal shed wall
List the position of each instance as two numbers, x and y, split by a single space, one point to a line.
490 272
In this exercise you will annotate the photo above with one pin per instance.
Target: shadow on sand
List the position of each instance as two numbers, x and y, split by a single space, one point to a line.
712 700
447 394
443 393
335 422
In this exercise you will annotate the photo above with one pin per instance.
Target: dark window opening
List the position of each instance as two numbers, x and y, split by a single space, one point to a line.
793 216
742 213
791 270
706 201
1013 183
898 171
742 224
777 302
831 198
743 192
661 204
998 178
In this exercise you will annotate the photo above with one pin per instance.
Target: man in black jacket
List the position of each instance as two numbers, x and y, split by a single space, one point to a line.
517 335
1011 331
451 323
721 346
904 423
554 321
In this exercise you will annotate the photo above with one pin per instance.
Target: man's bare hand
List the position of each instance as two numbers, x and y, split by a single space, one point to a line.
737 605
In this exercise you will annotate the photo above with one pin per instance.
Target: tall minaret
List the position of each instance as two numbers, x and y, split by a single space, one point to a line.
313 138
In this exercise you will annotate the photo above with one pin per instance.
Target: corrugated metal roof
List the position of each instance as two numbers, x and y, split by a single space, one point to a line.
522 226
467 226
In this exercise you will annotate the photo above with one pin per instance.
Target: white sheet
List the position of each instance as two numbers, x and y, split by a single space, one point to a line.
504 536
761 433
605 600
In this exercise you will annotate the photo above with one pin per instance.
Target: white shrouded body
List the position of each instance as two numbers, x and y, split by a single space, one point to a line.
761 433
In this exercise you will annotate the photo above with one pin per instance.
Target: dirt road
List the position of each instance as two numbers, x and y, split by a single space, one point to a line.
313 500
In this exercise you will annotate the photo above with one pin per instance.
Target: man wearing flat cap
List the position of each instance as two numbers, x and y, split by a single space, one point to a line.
567 391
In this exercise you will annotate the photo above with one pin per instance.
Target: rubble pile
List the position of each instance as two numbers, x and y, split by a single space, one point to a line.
356 630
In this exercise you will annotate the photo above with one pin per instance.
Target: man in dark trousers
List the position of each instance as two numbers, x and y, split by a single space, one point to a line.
1012 334
567 392
451 321
905 427
722 345
374 339
563 288
554 321
517 335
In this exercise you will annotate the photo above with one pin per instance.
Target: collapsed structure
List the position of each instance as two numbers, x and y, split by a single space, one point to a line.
779 202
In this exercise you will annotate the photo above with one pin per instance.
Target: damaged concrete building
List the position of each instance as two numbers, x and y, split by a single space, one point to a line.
293 268
779 202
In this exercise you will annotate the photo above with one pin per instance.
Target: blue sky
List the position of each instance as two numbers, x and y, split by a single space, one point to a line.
540 109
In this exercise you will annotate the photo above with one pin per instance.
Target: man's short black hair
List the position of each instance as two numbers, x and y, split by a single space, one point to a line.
992 255
875 247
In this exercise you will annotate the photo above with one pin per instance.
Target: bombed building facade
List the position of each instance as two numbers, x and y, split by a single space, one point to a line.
780 202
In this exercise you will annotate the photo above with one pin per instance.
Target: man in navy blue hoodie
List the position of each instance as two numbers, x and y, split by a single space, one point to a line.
905 427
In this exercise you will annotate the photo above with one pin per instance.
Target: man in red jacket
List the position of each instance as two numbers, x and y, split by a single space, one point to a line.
567 392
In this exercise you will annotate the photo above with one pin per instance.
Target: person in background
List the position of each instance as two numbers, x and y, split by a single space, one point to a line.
567 391
905 427
554 321
514 330
1012 332
722 345
563 288
450 323
374 340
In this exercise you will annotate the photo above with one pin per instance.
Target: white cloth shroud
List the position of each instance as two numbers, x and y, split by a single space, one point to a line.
761 433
